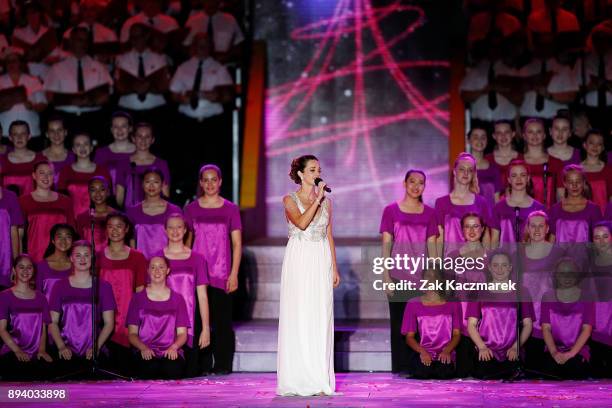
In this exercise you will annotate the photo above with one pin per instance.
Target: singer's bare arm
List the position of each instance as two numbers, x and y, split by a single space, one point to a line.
292 212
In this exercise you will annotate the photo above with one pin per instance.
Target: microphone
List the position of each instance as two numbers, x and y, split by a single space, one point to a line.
92 209
326 188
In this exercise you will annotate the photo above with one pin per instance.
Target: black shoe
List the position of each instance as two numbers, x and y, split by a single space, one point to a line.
222 372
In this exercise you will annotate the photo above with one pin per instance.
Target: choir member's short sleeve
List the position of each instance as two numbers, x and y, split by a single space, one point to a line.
12 207
588 314
201 269
432 227
386 223
527 310
182 318
133 315
235 222
545 312
4 305
55 300
46 315
140 268
474 310
107 298
409 322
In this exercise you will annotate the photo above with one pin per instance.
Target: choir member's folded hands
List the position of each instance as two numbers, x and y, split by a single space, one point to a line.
171 353
21 356
425 358
65 353
484 354
43 355
204 337
147 354
445 357
511 353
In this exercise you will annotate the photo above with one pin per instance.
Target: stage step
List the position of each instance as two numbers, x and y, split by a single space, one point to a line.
354 299
359 345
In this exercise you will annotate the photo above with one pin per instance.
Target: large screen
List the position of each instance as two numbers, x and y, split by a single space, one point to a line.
364 86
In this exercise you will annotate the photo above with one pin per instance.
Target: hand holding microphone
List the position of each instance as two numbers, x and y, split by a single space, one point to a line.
325 187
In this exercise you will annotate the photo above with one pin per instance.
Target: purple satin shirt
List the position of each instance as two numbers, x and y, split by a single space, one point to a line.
157 321
448 216
47 277
566 320
434 324
74 306
185 275
410 233
25 320
573 226
114 162
504 219
489 181
213 227
497 320
150 232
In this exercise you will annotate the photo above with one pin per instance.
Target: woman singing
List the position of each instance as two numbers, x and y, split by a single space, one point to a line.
306 320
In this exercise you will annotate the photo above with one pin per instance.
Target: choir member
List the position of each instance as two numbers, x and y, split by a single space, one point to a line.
541 166
116 155
24 316
601 272
560 132
74 179
598 173
31 102
518 203
56 263
189 278
489 175
567 323
124 268
437 323
149 216
218 236
473 228
492 323
71 312
57 153
406 226
504 151
572 219
157 322
99 192
11 231
463 198
42 209
17 165
141 161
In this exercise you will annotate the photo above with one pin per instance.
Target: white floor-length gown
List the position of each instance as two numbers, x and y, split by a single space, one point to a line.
305 362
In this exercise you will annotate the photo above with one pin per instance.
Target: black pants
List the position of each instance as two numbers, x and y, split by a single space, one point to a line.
494 369
601 359
160 368
118 359
76 367
436 370
219 356
534 354
401 354
465 354
574 368
12 369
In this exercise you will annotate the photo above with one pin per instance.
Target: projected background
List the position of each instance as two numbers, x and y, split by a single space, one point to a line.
363 85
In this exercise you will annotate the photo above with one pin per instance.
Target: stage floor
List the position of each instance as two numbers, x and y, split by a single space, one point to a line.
357 390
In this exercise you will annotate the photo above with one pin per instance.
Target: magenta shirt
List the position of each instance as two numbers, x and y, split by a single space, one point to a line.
410 233
47 277
59 165
10 216
573 226
212 228
157 321
74 306
25 320
150 233
566 320
504 219
185 275
497 320
448 216
434 324
608 215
